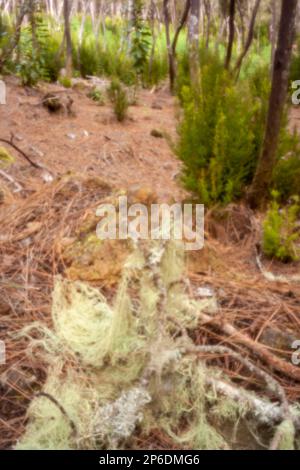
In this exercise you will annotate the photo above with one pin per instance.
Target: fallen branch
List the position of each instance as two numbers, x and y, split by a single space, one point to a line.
274 277
289 370
264 411
272 384
21 152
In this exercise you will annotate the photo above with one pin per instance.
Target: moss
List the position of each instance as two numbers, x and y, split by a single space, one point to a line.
286 431
5 158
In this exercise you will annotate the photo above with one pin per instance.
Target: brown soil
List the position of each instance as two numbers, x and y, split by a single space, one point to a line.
92 141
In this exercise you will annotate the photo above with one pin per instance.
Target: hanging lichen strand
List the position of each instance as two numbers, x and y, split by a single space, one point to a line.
120 372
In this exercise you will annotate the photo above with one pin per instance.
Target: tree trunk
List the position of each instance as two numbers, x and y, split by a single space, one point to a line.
249 38
14 42
207 9
231 33
69 62
273 32
260 187
171 46
171 59
193 34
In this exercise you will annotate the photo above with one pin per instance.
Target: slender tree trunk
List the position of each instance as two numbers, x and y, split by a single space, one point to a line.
85 7
152 12
241 11
193 34
171 59
260 187
69 62
14 42
249 38
171 46
273 32
207 9
231 33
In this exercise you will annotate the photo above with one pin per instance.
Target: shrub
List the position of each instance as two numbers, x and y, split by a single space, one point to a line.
96 95
119 99
31 69
286 175
221 134
32 65
280 231
65 82
218 135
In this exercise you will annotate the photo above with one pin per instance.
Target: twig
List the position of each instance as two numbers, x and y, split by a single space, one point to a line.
11 180
272 384
274 277
61 409
260 350
21 152
265 411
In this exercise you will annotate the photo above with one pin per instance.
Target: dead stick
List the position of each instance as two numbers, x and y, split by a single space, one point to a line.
21 152
287 369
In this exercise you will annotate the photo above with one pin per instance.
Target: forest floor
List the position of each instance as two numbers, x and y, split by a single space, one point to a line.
124 156
92 141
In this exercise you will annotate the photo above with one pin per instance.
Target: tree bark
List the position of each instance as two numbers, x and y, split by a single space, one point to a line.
260 187
273 32
69 62
249 38
193 34
231 33
171 46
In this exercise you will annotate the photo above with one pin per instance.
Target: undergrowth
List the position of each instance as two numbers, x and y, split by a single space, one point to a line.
281 232
119 99
221 134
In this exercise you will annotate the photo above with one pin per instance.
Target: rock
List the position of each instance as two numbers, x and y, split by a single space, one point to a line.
56 103
278 339
71 136
157 134
167 166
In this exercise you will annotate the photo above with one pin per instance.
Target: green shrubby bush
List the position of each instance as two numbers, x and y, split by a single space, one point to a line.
218 134
96 95
110 55
281 231
119 99
221 133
